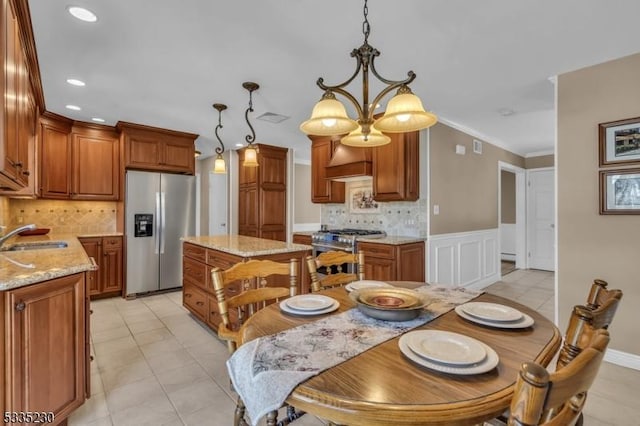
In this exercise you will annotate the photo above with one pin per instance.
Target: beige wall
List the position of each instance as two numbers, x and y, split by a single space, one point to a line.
592 245
539 162
464 186
508 201
304 211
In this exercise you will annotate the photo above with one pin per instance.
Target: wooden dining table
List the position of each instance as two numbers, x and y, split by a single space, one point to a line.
382 387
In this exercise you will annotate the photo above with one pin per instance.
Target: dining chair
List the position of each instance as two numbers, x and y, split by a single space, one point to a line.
334 262
543 398
603 303
255 295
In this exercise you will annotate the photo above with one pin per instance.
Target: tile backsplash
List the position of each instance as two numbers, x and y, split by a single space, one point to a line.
406 218
65 217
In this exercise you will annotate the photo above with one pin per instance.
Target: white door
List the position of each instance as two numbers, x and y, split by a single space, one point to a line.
541 227
218 201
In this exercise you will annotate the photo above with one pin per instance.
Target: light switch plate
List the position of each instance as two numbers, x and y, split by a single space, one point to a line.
436 209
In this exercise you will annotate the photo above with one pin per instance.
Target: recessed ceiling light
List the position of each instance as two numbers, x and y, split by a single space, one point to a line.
505 112
240 144
73 107
82 14
98 119
75 82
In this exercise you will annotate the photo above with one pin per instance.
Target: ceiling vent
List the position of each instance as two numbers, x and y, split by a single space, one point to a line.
272 117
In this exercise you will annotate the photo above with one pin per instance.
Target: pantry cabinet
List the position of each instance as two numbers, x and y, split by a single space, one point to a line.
155 149
324 190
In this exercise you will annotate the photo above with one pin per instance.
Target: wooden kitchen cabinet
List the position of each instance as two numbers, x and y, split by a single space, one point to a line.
396 168
197 290
45 347
95 165
388 262
302 239
155 149
322 189
79 161
108 254
262 194
17 107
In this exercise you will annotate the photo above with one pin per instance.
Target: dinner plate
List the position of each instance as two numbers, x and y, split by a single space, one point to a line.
446 347
491 311
524 322
359 285
286 309
488 364
309 302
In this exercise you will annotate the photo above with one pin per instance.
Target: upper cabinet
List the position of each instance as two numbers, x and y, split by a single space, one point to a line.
151 148
323 190
18 109
79 161
396 168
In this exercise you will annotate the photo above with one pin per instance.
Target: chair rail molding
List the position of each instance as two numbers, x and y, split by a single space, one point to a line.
466 259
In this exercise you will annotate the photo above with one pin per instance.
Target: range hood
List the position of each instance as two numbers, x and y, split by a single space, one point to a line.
350 164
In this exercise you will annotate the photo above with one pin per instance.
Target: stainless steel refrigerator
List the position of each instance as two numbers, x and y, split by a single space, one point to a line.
159 210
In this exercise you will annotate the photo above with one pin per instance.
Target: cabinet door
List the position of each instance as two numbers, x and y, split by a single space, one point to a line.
95 168
248 207
46 346
24 126
322 189
143 152
55 161
376 268
395 168
93 247
178 157
11 87
112 268
411 262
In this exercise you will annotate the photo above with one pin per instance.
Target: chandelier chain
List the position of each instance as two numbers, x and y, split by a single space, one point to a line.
366 28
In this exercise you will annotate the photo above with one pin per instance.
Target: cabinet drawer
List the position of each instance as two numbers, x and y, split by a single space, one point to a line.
194 252
222 260
377 250
215 319
195 272
195 300
302 239
112 242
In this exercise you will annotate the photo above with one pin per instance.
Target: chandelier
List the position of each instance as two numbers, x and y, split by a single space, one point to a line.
250 152
219 165
404 112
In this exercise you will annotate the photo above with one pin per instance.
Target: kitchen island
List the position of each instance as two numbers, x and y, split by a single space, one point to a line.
45 324
201 254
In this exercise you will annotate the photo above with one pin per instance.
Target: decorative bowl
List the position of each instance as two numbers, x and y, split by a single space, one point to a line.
389 304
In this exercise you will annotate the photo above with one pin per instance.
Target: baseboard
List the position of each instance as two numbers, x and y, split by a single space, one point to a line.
492 279
623 359
508 257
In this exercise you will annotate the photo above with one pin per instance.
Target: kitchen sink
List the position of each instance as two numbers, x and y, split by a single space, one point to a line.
35 246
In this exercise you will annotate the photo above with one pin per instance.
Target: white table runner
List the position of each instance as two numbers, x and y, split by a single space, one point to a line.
264 371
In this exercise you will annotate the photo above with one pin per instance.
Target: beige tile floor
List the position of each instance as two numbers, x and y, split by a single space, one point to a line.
155 365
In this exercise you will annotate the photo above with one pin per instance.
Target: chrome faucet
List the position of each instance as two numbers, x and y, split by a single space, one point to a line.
10 234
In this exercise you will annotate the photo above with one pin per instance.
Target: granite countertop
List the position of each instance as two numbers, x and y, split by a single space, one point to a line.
241 245
21 268
395 240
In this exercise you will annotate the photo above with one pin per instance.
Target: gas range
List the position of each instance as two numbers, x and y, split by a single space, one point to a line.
342 239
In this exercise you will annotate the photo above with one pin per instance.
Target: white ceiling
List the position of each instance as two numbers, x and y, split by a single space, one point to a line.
164 62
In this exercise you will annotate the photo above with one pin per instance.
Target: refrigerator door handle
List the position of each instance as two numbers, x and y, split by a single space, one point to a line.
162 218
156 239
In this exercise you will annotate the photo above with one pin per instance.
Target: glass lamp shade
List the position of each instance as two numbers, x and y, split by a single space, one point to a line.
374 138
250 157
328 118
197 153
219 166
405 113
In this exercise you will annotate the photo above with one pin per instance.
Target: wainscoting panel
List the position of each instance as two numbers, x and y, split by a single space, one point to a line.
466 259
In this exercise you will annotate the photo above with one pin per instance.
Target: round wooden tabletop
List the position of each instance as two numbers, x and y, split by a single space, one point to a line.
383 387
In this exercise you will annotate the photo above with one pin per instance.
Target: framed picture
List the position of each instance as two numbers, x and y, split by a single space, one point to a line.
361 200
620 142
620 191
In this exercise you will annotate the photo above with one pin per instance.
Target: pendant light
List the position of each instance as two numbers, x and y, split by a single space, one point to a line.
219 165
250 152
404 112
